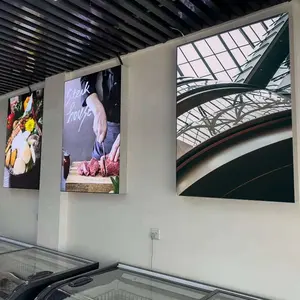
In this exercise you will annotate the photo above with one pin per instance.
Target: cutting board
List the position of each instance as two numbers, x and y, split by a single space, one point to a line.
87 184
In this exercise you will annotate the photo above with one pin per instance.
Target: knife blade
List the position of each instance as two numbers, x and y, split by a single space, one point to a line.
104 158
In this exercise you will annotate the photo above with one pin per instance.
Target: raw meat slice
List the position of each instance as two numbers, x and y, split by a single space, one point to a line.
93 167
108 167
105 167
83 169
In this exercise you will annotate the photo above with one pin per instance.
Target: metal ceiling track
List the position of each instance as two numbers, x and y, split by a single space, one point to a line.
39 39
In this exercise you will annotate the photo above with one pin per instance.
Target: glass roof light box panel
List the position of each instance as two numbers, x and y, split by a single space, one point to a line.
234 129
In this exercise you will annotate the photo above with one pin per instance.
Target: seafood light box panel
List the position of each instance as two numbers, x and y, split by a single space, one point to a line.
23 141
91 134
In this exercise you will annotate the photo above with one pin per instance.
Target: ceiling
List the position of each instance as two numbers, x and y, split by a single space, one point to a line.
40 38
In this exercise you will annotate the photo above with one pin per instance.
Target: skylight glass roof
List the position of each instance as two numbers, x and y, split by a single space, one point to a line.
221 59
221 56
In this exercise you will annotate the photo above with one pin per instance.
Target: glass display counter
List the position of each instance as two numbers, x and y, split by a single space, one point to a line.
121 282
26 272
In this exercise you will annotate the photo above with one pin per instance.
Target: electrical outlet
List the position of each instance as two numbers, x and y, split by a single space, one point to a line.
155 234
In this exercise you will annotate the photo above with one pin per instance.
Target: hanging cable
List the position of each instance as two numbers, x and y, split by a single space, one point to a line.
120 60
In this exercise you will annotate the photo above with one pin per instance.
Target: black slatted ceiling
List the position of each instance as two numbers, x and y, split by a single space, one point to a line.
40 38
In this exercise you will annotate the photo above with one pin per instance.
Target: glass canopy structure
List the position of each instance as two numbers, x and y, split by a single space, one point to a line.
222 57
218 115
229 79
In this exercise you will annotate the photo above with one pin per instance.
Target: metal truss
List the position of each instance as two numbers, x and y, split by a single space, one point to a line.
218 115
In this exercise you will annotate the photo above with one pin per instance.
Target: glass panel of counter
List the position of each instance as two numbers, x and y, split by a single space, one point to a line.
122 282
25 273
116 283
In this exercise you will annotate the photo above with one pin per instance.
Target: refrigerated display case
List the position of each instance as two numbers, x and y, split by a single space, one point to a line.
9 245
26 272
122 282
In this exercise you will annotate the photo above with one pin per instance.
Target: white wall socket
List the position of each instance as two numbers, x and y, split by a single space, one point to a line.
155 234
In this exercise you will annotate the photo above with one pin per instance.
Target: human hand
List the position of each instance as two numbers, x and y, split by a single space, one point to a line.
114 154
100 126
100 120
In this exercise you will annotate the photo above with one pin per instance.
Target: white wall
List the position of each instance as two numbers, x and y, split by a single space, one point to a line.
249 246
